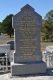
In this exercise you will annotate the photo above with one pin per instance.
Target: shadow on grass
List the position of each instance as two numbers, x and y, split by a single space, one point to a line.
2 73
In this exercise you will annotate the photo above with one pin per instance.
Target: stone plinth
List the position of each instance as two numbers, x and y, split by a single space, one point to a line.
28 68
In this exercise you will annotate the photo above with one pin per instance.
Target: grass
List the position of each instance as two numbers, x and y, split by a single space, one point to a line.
5 39
45 44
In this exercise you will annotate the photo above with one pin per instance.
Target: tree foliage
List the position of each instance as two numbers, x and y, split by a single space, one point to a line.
7 25
48 25
0 27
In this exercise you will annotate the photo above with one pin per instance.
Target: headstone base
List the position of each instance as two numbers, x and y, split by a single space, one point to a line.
31 68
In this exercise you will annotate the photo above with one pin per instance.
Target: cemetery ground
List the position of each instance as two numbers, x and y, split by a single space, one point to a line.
5 38
7 76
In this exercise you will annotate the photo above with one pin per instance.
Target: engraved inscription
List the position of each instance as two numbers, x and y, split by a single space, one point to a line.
27 42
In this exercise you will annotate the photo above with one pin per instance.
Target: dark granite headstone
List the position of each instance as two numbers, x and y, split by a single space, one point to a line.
11 45
28 58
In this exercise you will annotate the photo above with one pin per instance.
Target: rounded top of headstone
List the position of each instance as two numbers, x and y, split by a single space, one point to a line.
27 6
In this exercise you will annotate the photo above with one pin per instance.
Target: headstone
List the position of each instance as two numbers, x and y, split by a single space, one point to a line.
27 57
11 45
